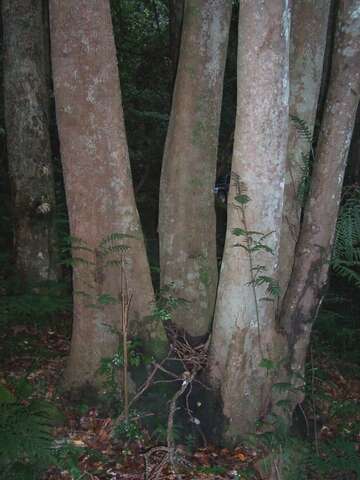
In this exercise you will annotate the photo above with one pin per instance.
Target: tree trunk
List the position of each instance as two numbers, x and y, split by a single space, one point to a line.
313 250
98 182
309 23
26 99
244 328
187 215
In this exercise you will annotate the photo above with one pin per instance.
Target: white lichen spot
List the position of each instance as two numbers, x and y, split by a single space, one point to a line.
85 43
90 144
44 170
285 87
133 227
347 140
355 13
213 36
117 184
90 95
44 208
126 220
191 276
349 52
353 26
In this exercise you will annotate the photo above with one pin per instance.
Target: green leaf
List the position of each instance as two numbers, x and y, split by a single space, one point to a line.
261 246
242 199
267 363
239 232
109 240
23 388
106 299
5 395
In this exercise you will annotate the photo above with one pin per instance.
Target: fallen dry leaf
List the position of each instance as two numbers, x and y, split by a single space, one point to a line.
240 456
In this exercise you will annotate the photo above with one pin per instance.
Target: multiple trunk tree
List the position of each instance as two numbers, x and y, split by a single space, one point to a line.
256 322
26 100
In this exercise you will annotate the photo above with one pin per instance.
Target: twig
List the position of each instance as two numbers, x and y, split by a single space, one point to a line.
125 307
193 419
148 382
306 419
156 472
187 379
168 372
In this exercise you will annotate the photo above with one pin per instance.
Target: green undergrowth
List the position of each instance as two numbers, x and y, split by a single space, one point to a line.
323 442
28 447
26 425
35 304
322 446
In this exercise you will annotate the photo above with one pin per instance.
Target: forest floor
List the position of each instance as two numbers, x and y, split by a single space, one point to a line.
328 435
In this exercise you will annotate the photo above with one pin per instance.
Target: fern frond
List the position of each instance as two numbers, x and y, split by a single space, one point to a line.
306 158
116 249
345 270
25 432
240 186
113 263
346 251
114 237
302 128
305 171
347 239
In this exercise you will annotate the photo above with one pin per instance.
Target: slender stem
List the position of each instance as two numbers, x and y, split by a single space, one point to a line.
187 379
125 306
248 240
126 387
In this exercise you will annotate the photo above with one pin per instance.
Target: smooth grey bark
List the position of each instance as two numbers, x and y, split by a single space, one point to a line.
244 329
309 24
26 99
98 183
313 250
186 211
